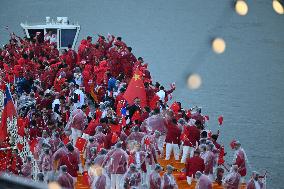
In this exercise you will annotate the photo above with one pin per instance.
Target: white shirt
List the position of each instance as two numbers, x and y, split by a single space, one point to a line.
161 94
82 97
256 184
138 161
78 79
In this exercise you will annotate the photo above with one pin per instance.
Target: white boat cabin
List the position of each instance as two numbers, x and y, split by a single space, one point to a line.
60 32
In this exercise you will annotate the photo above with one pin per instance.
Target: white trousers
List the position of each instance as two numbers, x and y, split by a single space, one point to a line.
172 147
116 180
75 134
187 151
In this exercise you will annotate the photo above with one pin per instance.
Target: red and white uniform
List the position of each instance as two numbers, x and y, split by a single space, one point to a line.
132 179
191 137
252 184
27 170
240 161
232 180
204 183
65 180
169 181
172 140
194 164
155 180
116 164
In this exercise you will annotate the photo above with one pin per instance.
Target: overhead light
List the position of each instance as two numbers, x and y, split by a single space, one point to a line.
278 6
194 81
241 7
218 45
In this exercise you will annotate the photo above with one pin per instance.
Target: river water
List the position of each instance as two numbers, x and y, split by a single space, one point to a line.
245 84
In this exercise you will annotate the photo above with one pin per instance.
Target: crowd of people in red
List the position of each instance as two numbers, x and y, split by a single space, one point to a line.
86 102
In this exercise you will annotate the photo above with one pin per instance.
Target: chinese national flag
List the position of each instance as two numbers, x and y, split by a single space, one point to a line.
136 89
80 144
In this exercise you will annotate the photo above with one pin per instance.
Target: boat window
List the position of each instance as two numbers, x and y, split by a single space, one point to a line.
51 34
67 37
39 32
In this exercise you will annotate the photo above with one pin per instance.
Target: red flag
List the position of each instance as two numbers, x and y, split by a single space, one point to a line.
136 89
206 117
8 112
147 141
22 123
114 138
115 128
153 102
33 144
80 144
20 146
182 176
220 120
131 158
233 143
85 179
65 139
175 107
136 116
221 156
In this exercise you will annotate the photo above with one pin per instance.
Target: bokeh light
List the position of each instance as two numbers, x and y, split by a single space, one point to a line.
194 81
278 7
54 185
241 7
218 45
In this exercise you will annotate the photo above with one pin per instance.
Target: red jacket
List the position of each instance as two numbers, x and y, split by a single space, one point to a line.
173 133
193 135
193 165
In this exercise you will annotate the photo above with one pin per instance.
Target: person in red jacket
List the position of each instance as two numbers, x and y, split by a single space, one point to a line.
254 182
65 179
155 179
116 163
172 139
240 159
191 136
194 164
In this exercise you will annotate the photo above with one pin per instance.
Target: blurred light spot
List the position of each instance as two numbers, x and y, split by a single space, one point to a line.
278 7
241 7
54 185
194 81
218 45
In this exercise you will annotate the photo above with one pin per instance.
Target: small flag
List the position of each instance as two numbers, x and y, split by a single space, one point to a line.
220 120
114 138
80 144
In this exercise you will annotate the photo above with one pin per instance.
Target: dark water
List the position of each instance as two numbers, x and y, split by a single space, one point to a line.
245 84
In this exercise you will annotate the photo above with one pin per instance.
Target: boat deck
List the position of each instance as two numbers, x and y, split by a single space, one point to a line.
182 184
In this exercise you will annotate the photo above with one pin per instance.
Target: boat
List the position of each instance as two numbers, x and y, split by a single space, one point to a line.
60 30
67 34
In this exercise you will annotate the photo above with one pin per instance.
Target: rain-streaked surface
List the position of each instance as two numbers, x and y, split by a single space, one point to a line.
245 83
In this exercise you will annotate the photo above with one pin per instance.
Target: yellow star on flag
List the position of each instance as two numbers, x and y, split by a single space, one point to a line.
136 77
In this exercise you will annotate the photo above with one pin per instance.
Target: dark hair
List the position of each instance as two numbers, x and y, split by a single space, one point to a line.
118 38
156 111
203 134
129 49
70 147
162 87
